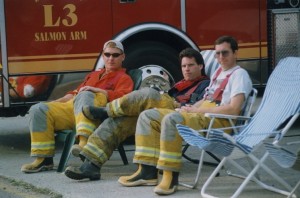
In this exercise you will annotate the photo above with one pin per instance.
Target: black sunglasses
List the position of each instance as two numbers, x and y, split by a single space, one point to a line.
114 55
224 53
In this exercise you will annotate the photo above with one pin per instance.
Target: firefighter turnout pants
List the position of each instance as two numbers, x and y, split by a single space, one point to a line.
107 137
157 141
125 111
134 103
47 118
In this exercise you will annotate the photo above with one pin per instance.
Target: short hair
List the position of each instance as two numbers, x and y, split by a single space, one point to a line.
228 39
192 53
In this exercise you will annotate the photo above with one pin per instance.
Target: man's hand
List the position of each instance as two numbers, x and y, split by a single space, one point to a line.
188 108
93 89
89 88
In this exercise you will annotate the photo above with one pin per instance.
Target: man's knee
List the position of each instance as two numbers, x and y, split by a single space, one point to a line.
143 94
38 108
168 124
38 117
83 96
144 121
149 114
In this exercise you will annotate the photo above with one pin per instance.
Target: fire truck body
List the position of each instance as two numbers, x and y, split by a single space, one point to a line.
66 36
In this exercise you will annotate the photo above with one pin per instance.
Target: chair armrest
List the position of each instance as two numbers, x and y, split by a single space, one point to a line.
225 116
232 120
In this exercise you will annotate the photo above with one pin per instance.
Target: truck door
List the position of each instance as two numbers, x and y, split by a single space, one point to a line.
55 36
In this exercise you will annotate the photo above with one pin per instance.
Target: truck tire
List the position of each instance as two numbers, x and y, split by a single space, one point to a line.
153 53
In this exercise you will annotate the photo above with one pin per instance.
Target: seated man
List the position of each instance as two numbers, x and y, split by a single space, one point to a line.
158 144
113 131
98 88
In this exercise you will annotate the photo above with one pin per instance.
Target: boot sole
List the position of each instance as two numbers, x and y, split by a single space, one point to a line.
140 182
76 176
42 168
160 191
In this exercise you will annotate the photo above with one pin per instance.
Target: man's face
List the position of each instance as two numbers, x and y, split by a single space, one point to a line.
113 58
190 69
225 55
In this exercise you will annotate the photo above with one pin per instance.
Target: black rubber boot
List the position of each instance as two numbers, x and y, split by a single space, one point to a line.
95 113
87 170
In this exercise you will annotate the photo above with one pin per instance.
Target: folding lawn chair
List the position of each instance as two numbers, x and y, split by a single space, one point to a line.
236 123
280 102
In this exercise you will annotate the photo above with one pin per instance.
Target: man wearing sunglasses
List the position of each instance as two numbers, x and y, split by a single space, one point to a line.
126 109
158 144
98 88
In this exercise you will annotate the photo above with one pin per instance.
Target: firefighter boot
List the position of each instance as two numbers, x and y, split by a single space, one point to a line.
95 113
87 170
168 184
39 164
144 176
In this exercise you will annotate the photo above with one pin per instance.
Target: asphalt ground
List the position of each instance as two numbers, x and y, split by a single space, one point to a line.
15 148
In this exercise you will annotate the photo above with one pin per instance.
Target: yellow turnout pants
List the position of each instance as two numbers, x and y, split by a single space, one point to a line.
47 118
125 111
157 140
137 101
107 137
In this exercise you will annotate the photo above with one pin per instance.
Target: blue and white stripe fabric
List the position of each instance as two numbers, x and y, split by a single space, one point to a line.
280 101
283 157
211 64
215 143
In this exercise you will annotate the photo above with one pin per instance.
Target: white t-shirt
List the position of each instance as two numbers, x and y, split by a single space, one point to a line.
239 82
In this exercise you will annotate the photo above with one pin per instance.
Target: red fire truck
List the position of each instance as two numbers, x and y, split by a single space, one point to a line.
64 38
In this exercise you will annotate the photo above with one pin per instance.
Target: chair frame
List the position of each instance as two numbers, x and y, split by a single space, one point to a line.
243 119
251 175
294 157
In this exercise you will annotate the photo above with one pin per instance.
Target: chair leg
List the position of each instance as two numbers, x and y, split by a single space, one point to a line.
294 190
123 154
194 185
69 142
211 177
251 176
196 161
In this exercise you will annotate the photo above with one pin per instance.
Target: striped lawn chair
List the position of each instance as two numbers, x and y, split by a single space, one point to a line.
211 64
280 104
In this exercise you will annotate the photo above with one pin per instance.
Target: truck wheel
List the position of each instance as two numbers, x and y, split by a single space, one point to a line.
146 53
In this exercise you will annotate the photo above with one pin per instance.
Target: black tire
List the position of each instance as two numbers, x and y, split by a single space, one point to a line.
153 53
